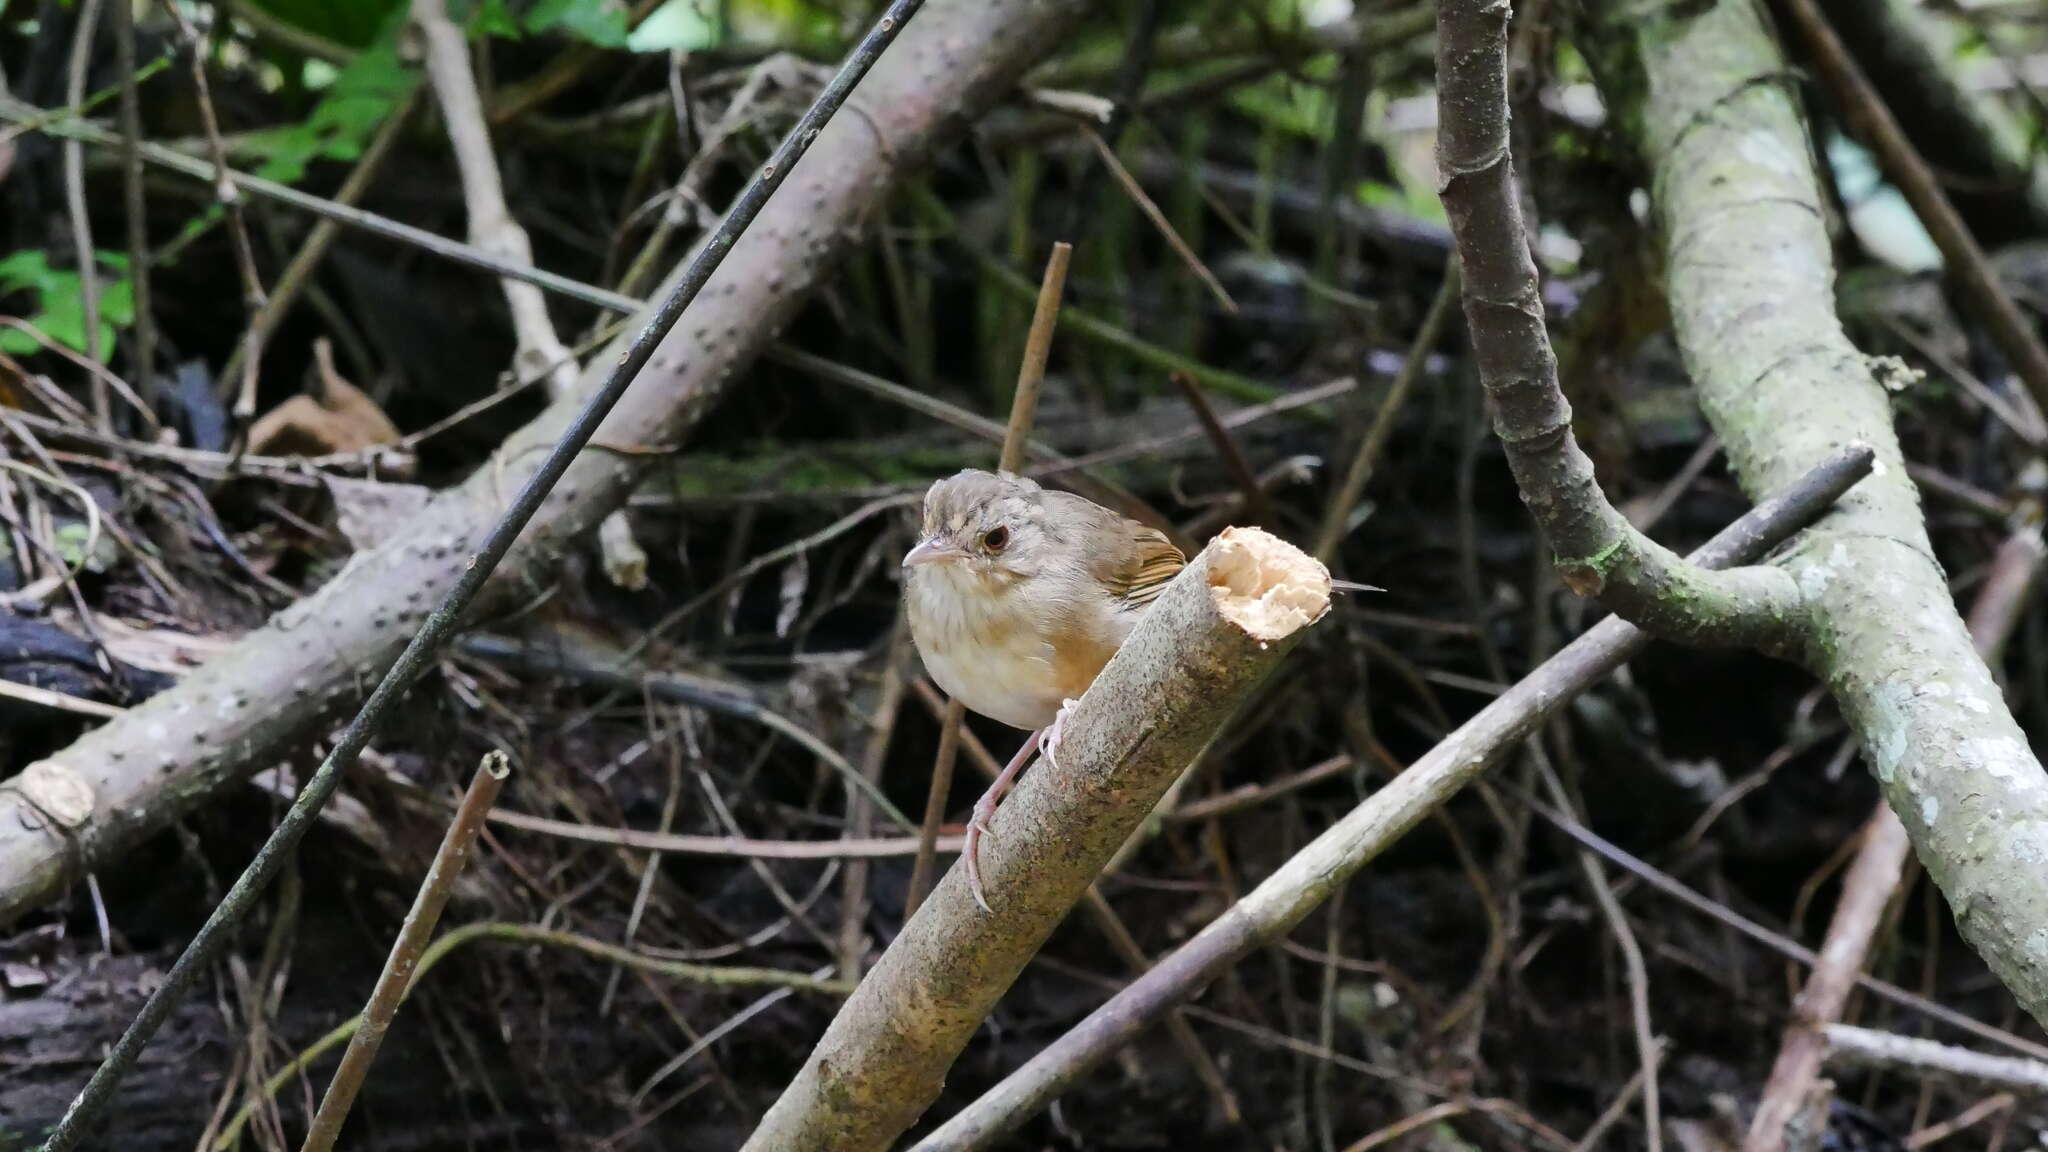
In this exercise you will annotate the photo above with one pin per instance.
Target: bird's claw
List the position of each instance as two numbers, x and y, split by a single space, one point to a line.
972 850
1050 745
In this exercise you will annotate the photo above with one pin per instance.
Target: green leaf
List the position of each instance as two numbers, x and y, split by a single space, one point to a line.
59 306
356 23
677 26
601 22
357 101
492 18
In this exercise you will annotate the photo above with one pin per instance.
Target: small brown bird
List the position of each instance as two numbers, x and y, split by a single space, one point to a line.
1018 597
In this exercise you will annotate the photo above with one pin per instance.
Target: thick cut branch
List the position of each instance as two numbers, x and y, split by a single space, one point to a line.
1309 878
1599 553
1211 637
1703 90
240 711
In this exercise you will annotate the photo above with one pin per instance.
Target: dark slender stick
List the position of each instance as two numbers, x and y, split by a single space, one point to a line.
1130 90
1240 469
214 934
1338 515
230 199
392 982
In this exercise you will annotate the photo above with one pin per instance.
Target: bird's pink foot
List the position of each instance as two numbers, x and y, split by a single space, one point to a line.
985 810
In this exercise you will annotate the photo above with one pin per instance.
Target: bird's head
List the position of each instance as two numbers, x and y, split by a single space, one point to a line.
988 525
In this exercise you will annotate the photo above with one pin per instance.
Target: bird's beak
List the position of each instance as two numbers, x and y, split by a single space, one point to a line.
931 550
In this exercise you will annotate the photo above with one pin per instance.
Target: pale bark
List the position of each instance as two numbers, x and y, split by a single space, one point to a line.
247 707
1702 89
1222 625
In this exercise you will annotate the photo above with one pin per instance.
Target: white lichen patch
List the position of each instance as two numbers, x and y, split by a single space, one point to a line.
1767 150
1930 810
1888 732
1264 585
2000 757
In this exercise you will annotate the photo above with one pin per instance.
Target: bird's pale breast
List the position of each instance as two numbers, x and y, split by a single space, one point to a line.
1002 655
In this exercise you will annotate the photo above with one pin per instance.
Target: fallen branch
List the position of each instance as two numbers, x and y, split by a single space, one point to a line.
851 157
1211 637
1311 875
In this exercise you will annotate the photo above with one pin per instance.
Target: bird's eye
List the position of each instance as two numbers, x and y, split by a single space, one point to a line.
996 539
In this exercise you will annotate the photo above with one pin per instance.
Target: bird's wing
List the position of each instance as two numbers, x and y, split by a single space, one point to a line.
1150 564
1127 560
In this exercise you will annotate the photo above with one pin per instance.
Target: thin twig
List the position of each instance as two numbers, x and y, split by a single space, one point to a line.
1159 221
1992 1105
1240 469
299 272
1631 957
419 653
683 844
1870 1048
853 899
21 112
704 975
435 888
87 255
493 228
1016 439
61 701
230 198
144 366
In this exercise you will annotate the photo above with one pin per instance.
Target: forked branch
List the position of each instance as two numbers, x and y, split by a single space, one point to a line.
1599 554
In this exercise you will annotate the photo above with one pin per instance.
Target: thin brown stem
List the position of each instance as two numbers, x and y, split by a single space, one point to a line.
1253 496
87 256
406 951
230 198
299 272
1337 516
136 205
